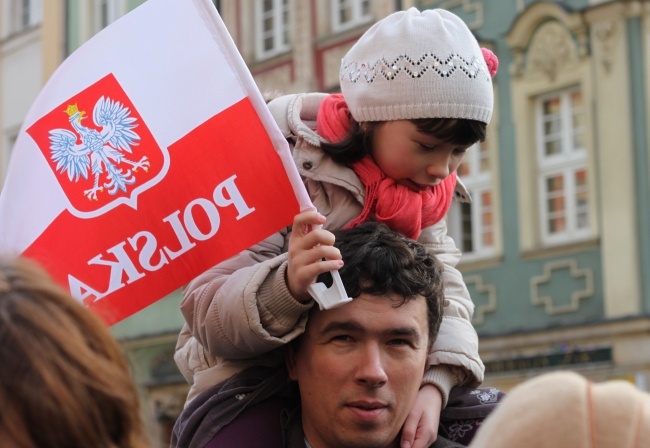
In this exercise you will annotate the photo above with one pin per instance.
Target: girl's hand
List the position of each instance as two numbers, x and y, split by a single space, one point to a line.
311 252
421 427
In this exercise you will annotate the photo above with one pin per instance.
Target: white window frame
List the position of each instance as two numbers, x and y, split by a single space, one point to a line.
566 163
277 14
114 11
358 17
476 182
24 14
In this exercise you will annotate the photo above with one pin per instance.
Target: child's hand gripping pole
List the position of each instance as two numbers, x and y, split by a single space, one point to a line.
332 297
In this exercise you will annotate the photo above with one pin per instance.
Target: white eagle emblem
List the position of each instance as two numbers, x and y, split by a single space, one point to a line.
99 151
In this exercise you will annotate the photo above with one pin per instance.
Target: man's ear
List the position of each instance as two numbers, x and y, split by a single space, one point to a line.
290 360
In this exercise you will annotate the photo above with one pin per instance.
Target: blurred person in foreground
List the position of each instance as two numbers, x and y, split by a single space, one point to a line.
64 381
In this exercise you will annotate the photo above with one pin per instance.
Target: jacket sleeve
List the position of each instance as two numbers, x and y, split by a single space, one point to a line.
242 307
454 359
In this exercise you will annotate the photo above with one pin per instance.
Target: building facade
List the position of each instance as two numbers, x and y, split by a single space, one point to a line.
556 241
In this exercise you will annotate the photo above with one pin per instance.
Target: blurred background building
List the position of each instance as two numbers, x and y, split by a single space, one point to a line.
557 239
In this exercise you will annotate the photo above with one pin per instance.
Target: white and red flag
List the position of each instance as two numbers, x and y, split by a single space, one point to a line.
148 157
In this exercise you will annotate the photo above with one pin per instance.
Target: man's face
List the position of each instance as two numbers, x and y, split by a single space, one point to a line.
359 368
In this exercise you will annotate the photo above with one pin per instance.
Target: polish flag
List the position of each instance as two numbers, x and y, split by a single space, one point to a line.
148 157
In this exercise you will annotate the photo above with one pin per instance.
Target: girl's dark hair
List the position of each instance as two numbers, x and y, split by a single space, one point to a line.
380 262
359 140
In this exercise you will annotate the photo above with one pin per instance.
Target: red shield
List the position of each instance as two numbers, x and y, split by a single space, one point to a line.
86 142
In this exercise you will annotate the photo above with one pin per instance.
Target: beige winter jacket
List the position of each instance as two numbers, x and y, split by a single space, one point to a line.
241 309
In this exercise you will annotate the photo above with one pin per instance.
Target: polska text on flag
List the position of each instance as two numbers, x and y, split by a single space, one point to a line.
148 157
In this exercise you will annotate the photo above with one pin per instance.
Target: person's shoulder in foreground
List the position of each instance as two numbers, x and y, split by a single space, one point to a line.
565 410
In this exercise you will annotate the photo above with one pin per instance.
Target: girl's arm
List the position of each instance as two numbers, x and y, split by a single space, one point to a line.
242 307
454 359
257 300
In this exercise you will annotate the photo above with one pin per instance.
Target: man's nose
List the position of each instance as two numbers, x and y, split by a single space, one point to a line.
370 371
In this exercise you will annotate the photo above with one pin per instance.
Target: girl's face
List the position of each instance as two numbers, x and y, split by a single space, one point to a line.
412 158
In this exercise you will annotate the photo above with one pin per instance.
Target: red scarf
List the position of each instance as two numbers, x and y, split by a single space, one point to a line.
397 206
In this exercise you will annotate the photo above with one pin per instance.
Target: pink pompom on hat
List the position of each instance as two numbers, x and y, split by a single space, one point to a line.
415 64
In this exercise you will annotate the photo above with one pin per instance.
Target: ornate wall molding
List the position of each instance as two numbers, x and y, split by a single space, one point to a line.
547 277
551 49
490 290
605 34
533 33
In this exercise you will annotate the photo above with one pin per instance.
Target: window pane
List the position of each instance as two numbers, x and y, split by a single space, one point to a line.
268 43
555 205
576 100
24 19
487 219
486 199
345 15
267 24
555 184
552 106
578 141
365 7
556 225
552 126
285 27
582 200
552 147
488 239
484 158
267 5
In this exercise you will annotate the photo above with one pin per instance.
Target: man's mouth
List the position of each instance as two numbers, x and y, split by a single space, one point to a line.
367 405
367 410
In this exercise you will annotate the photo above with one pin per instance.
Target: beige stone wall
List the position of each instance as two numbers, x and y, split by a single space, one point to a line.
629 341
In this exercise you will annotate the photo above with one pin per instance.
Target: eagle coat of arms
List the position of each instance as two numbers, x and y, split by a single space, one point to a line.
100 152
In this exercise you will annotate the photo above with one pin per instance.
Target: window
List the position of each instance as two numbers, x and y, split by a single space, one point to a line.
472 225
562 166
271 27
106 12
25 14
349 13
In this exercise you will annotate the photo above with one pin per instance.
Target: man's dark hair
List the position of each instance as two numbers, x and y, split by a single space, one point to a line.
380 261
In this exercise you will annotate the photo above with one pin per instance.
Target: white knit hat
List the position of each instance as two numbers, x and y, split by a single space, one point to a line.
415 64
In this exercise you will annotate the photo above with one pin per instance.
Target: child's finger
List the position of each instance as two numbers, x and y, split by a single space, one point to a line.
423 438
303 222
408 431
314 238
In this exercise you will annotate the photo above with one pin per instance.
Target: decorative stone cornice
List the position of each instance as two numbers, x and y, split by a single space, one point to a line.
533 33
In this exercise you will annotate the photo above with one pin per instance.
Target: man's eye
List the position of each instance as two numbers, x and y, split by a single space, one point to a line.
460 151
342 338
427 148
399 342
